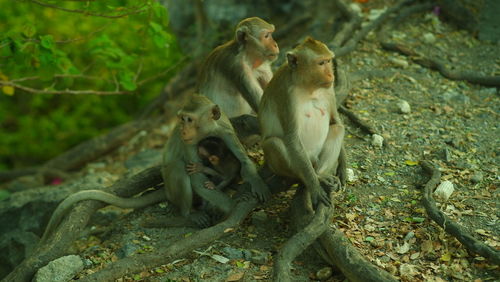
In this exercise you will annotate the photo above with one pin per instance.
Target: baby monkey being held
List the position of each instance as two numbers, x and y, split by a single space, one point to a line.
218 162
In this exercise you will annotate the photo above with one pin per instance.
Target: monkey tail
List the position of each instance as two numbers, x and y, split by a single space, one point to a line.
98 195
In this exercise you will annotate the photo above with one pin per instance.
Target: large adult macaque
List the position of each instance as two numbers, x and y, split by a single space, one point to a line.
199 118
301 129
235 73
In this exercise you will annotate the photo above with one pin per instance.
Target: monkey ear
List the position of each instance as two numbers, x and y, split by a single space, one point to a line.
216 112
241 35
292 59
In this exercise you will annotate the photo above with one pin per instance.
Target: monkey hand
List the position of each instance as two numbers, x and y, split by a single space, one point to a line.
330 183
193 168
260 189
320 195
209 185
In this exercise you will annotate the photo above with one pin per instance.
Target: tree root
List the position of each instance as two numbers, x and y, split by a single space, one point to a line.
167 253
73 225
353 42
462 235
340 253
436 64
348 28
424 61
304 237
356 120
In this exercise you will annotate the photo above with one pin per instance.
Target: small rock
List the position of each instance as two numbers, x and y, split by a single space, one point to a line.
429 38
399 62
233 253
62 269
404 107
260 258
444 190
489 91
127 250
377 140
452 96
351 177
477 177
259 217
324 273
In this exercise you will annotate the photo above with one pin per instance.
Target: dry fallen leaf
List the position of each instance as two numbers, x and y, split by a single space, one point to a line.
235 276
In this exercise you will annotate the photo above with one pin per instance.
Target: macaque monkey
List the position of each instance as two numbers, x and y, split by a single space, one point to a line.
201 118
235 73
222 164
301 129
198 119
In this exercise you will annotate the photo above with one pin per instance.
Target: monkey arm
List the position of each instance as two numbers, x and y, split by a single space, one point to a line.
224 183
198 167
248 171
247 85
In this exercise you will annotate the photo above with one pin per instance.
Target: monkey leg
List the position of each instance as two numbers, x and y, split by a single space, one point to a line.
278 160
214 197
178 187
277 157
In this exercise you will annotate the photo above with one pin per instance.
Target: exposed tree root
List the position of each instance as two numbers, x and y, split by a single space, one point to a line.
357 121
351 44
436 64
317 225
72 226
354 21
167 253
462 235
339 251
424 61
350 262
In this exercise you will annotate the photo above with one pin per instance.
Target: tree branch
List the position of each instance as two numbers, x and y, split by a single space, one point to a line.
87 13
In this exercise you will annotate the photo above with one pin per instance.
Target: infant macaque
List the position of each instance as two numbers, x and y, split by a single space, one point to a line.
218 163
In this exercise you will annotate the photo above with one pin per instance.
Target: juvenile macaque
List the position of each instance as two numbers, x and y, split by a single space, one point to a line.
235 73
301 130
199 118
217 162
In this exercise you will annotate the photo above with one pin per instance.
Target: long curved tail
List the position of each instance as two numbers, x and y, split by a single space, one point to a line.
98 195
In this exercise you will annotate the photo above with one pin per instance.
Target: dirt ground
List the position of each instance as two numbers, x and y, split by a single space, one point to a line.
454 124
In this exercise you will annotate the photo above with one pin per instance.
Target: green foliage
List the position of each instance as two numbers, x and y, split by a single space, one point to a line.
45 49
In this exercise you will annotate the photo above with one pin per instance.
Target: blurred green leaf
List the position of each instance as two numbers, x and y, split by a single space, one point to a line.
126 79
47 41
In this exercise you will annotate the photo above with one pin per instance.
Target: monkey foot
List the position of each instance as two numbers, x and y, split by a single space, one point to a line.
201 219
331 183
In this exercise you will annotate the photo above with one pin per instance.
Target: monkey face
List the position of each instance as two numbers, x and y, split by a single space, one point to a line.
188 128
324 69
214 160
270 47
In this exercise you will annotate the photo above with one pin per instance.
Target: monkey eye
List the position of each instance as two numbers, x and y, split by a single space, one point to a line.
267 35
187 119
321 63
